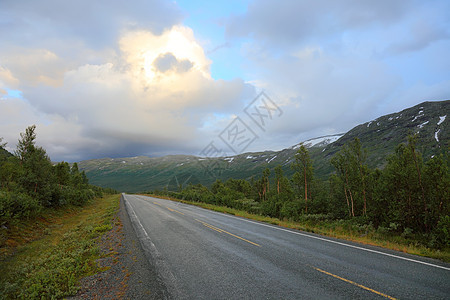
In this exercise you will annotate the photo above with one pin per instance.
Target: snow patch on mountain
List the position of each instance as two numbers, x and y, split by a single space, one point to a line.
436 135
320 141
268 161
420 114
423 124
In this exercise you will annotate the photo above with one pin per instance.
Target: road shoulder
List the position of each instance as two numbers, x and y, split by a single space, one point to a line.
127 272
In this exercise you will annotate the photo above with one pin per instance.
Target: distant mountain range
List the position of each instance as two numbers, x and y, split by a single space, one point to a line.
380 137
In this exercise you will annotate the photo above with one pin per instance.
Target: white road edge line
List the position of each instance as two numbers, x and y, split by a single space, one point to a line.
165 271
137 219
322 239
343 244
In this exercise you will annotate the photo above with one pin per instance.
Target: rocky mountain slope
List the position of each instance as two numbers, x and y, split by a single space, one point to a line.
429 120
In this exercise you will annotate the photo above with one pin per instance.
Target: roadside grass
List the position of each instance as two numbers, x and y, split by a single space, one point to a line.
342 229
46 257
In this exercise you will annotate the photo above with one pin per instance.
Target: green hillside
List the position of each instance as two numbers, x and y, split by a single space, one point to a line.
380 137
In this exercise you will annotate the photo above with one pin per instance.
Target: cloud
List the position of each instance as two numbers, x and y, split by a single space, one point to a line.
7 80
333 65
323 94
167 61
282 23
154 95
97 24
109 78
422 34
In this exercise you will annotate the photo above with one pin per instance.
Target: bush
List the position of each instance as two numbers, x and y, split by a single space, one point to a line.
441 233
14 206
290 210
249 205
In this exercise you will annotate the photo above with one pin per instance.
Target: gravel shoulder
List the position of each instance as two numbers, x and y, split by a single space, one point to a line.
127 273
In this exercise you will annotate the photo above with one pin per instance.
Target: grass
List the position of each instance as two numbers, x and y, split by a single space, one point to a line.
46 257
342 229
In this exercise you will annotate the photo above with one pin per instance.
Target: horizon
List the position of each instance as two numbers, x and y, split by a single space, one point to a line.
164 78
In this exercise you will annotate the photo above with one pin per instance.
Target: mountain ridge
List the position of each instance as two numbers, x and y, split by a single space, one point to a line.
379 136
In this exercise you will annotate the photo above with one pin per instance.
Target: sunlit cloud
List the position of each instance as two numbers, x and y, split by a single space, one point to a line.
156 92
138 79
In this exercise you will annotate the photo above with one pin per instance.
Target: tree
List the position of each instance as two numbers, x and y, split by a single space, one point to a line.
358 157
278 177
38 177
303 171
436 180
63 174
265 183
412 139
2 144
26 143
284 189
352 169
404 189
340 162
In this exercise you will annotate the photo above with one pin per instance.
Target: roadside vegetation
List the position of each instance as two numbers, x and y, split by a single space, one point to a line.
50 220
63 249
404 206
29 182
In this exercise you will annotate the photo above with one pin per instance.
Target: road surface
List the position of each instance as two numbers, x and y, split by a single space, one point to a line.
201 254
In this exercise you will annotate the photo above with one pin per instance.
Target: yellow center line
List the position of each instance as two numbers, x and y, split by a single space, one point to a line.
216 229
169 208
223 231
354 283
175 210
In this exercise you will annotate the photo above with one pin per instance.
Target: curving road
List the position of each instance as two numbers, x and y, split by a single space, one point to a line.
201 254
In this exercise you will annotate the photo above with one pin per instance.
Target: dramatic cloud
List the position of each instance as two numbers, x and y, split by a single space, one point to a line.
109 78
149 94
334 64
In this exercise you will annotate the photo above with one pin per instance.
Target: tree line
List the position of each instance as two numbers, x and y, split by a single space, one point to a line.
408 197
29 182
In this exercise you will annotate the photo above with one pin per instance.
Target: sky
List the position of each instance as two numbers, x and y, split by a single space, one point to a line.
113 78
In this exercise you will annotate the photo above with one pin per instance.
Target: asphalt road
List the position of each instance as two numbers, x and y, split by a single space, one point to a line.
201 254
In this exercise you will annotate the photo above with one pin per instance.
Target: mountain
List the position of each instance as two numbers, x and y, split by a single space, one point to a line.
429 120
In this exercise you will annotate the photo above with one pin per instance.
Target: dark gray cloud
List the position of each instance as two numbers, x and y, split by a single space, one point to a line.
168 61
96 23
91 83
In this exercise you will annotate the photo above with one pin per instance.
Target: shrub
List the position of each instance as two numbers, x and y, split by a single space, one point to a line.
441 233
14 206
290 210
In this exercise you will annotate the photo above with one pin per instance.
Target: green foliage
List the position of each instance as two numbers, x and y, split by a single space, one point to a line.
303 175
29 182
51 267
291 210
353 174
441 233
407 199
16 206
